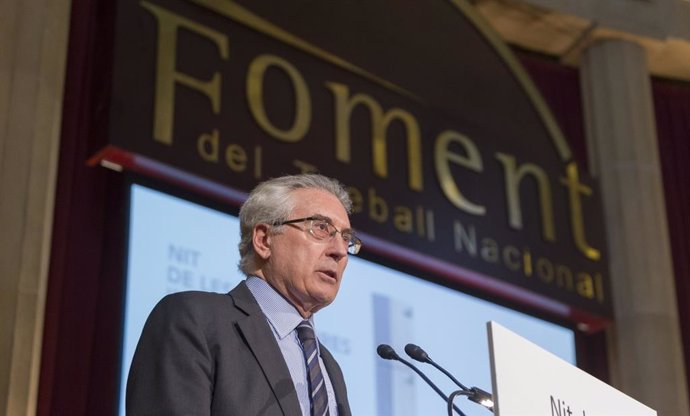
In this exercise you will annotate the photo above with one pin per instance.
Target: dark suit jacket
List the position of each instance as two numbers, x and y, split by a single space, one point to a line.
212 354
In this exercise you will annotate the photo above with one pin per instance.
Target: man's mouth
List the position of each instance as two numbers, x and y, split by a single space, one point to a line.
330 273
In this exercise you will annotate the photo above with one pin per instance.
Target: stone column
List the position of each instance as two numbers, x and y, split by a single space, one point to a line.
33 48
645 353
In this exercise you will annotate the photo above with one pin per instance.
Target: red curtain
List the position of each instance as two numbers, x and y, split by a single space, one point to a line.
560 87
672 106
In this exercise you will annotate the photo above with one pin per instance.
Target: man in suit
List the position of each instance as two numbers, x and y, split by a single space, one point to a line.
245 353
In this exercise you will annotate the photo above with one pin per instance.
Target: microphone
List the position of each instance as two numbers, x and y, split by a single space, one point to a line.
474 394
388 353
416 352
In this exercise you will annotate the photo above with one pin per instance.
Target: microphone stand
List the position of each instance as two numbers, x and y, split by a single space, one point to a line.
452 397
436 389
388 353
475 394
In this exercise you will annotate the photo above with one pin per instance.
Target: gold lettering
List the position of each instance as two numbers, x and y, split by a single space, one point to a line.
207 145
420 221
431 229
511 257
599 287
489 251
236 158
527 263
357 199
255 97
378 209
575 188
344 105
166 75
465 239
471 160
585 285
513 177
403 219
545 270
564 277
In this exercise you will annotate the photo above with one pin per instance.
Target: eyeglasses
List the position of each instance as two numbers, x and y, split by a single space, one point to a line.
322 230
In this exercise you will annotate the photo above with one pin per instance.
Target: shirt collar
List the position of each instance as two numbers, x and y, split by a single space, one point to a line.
281 315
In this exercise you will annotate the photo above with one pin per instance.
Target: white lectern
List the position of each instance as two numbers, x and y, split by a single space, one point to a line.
529 381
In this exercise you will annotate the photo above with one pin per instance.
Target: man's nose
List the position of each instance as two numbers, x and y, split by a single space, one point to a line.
338 247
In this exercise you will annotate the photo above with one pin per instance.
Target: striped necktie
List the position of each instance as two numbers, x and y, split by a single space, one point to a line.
317 386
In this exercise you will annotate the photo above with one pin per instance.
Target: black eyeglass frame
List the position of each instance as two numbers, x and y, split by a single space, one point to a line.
354 244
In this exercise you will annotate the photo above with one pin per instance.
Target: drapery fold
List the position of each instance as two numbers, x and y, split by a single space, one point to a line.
672 107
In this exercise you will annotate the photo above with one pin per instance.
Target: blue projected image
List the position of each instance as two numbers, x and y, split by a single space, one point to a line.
176 245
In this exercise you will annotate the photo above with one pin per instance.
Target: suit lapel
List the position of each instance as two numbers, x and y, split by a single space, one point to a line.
337 381
261 341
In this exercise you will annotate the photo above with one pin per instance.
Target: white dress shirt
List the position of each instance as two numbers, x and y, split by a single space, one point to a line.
283 318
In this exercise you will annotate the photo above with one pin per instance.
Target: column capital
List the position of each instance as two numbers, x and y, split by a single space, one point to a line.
566 28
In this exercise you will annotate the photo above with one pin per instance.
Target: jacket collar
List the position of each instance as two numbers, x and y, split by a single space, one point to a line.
259 338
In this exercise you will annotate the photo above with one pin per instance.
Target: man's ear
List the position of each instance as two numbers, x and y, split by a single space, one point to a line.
261 240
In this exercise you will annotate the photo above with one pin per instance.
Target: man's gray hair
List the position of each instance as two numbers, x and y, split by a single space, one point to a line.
272 202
